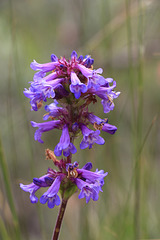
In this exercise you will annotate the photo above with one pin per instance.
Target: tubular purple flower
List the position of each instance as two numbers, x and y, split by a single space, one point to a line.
64 144
91 176
51 195
103 91
107 96
74 55
54 58
35 97
90 137
51 77
70 149
43 183
53 110
99 182
96 80
76 86
88 61
108 103
106 127
40 91
85 71
93 118
46 67
80 59
32 189
87 190
109 128
87 166
39 75
44 127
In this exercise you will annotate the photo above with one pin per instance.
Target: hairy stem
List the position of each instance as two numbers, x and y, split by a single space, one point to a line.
59 219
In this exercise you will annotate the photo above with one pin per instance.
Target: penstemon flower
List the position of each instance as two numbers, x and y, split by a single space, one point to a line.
69 176
72 85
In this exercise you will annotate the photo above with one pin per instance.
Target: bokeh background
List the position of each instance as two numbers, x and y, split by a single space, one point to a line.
124 39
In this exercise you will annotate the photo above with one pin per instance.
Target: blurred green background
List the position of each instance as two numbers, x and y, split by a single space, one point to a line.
124 39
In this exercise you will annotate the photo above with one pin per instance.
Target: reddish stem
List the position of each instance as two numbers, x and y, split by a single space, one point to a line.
59 219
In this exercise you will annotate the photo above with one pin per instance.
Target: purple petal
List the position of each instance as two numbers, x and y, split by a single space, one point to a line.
64 142
87 190
77 86
74 55
87 166
46 67
90 137
54 201
85 71
109 128
31 188
54 58
91 176
44 127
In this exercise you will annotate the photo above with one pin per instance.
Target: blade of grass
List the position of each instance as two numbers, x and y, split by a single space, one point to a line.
130 60
109 28
137 207
125 211
26 122
3 231
7 183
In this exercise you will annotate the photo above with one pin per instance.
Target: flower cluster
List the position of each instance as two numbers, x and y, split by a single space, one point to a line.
69 176
72 85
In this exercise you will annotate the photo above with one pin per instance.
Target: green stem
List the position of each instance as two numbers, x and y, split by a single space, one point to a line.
59 219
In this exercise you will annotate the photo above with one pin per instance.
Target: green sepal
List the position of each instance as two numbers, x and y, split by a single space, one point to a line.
67 190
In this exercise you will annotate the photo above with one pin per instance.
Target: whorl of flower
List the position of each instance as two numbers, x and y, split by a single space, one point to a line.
69 176
72 85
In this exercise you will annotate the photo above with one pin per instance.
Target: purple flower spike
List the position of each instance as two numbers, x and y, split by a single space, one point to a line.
70 86
44 127
64 144
76 86
90 137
